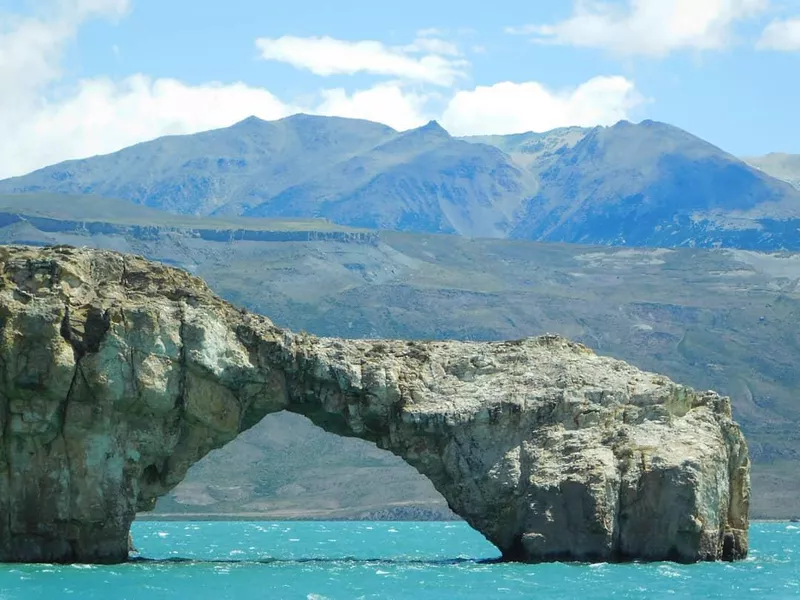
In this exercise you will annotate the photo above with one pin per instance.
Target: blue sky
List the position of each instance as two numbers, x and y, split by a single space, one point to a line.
83 77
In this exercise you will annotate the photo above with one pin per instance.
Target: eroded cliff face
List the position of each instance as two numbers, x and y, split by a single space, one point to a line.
117 374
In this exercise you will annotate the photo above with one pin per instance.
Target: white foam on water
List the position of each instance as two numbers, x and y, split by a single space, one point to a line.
667 571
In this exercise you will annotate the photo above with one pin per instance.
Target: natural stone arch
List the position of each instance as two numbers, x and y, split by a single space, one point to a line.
118 374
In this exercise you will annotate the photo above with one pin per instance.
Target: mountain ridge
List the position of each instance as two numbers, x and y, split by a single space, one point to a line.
646 184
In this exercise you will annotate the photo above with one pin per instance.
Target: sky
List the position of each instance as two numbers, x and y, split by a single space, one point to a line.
86 77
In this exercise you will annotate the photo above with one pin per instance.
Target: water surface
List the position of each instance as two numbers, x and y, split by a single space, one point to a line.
318 560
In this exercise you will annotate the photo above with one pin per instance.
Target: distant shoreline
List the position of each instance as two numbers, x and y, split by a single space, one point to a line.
311 517
273 517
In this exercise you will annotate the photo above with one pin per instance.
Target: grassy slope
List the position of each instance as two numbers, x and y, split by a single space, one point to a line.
709 318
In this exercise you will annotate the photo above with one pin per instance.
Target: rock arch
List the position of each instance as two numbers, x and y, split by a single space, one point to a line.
117 374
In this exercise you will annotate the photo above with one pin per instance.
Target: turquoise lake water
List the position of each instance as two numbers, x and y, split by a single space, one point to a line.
315 561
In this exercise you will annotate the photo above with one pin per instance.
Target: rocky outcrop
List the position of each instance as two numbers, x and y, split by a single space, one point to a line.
117 374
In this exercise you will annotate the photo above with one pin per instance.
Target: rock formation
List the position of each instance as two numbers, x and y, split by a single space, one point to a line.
117 374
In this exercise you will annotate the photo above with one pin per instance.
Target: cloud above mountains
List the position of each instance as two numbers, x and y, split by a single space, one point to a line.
439 65
653 28
508 107
45 119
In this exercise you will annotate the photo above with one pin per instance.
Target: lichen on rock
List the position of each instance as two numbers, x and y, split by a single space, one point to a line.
117 374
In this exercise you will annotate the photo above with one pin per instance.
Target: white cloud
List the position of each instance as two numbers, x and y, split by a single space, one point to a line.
385 103
434 46
783 35
81 9
328 56
31 48
648 27
516 107
104 115
44 120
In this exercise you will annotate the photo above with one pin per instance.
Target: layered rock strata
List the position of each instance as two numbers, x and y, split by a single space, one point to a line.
117 374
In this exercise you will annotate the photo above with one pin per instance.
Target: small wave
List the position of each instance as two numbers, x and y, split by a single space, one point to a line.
665 571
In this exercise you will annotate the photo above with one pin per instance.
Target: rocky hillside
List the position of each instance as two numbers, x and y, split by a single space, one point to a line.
649 184
713 319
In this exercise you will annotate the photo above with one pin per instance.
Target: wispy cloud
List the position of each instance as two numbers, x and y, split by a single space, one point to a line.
431 32
432 45
328 56
652 28
31 48
44 119
782 35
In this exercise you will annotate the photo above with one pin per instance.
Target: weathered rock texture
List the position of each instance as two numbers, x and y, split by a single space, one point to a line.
117 374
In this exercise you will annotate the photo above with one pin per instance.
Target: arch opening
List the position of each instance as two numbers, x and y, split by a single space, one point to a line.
285 467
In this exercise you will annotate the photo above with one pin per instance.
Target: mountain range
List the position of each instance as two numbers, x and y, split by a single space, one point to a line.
647 184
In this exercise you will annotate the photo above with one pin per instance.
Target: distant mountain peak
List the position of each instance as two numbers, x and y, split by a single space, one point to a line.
249 121
433 126
430 130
